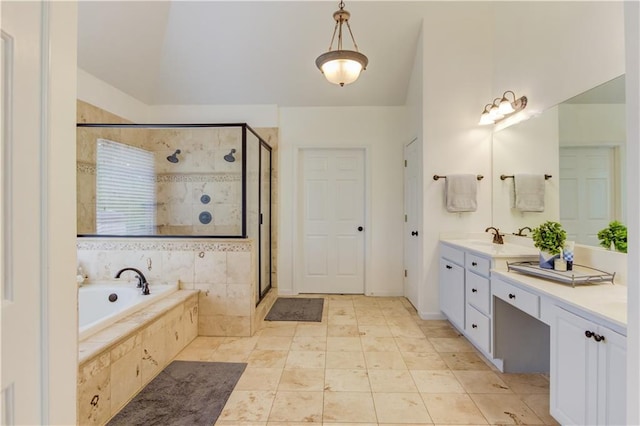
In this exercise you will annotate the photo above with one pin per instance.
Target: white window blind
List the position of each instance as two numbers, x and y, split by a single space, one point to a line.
125 189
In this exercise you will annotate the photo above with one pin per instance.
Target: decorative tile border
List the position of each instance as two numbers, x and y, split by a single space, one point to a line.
199 177
88 243
90 169
87 168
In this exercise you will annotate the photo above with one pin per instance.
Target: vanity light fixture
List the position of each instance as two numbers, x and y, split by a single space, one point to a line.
502 108
494 111
342 66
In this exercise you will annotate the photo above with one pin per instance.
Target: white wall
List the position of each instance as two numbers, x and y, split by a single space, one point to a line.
456 86
59 242
254 115
552 51
383 131
101 94
592 124
632 39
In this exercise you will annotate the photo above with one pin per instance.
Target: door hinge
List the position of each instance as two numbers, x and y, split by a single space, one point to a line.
405 163
405 273
405 217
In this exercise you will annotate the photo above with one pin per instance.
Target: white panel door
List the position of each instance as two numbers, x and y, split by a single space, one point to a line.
332 221
412 201
586 192
21 263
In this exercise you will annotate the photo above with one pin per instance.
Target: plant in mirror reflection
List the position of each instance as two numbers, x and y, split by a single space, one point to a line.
615 234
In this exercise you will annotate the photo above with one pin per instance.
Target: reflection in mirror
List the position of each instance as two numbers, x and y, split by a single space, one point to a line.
581 143
592 151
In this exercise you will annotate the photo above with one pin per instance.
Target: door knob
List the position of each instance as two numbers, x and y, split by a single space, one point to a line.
360 228
415 233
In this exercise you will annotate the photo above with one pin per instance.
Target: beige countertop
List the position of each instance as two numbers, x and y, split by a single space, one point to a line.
605 301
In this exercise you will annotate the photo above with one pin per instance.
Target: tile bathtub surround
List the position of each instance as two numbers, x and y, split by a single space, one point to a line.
370 361
220 269
113 367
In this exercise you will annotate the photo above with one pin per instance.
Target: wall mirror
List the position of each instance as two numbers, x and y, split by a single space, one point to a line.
581 144
172 180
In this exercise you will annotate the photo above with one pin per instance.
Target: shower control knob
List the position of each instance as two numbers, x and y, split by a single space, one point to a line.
360 229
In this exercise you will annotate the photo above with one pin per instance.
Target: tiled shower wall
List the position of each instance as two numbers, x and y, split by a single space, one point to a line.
201 170
87 113
221 270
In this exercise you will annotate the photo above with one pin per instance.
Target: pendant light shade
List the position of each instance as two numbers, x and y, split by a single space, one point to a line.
341 66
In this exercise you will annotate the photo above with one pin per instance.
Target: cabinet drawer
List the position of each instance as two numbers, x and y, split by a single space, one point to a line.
478 291
478 328
479 265
521 299
452 254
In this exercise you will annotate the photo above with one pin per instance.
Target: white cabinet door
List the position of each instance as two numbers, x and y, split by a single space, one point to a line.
452 292
588 372
612 378
574 364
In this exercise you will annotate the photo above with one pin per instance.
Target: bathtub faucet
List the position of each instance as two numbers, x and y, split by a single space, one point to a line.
142 281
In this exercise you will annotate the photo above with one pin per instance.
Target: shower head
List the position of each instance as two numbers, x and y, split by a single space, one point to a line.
173 158
229 157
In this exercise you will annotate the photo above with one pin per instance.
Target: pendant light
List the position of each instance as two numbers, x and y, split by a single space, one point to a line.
342 66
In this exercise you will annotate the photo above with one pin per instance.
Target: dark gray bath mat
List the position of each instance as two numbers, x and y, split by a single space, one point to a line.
296 309
184 393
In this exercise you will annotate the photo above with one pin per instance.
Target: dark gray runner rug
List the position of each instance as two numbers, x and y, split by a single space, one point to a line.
184 393
296 309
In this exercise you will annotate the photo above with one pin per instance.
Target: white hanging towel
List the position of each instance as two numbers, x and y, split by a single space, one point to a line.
460 193
529 192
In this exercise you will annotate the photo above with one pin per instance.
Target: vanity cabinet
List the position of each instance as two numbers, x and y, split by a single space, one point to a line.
451 283
478 301
588 371
465 294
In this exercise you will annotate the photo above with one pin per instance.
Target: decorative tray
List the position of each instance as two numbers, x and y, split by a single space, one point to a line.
579 275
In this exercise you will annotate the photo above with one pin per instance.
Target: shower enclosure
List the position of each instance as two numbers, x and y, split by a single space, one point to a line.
178 181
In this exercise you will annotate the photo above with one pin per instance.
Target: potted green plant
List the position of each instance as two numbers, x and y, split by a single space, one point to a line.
614 236
549 238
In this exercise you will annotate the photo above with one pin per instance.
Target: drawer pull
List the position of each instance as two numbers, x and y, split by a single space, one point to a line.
512 296
449 266
474 290
474 263
474 326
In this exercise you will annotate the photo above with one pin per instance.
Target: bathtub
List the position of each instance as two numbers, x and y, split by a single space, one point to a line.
100 305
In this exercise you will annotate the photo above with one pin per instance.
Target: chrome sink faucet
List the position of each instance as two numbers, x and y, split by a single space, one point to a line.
497 236
142 280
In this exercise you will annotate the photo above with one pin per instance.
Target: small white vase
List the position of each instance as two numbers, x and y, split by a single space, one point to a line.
547 259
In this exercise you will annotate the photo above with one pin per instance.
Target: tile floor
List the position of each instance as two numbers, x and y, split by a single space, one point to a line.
371 361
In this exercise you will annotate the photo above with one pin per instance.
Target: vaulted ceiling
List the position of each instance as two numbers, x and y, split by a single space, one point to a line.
241 53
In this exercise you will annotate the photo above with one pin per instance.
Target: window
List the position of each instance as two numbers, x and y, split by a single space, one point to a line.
125 189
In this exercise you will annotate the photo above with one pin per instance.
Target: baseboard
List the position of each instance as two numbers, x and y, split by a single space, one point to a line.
431 315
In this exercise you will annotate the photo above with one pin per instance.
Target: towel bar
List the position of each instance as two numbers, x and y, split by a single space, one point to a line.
503 177
436 177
